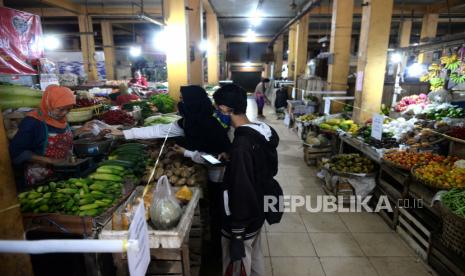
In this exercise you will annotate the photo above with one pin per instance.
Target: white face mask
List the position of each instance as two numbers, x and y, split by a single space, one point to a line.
55 116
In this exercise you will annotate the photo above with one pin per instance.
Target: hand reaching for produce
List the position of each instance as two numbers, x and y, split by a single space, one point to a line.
179 149
116 132
223 156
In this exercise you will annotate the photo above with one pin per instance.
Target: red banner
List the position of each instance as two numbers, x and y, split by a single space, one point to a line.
20 41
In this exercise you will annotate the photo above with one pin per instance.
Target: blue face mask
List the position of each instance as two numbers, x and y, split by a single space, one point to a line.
225 120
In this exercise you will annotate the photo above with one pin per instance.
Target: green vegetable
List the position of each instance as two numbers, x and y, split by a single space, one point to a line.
15 91
105 176
163 102
454 200
88 207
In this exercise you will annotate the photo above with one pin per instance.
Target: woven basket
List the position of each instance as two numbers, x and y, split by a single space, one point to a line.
453 230
395 165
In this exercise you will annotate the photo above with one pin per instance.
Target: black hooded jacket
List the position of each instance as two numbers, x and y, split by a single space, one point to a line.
253 164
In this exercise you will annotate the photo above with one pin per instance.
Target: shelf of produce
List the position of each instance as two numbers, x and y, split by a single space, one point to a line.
84 226
391 218
158 238
419 191
358 144
394 181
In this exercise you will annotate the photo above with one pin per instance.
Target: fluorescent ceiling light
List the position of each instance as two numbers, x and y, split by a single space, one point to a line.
256 18
135 51
51 42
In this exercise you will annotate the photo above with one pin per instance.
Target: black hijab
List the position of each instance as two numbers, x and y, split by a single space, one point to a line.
203 132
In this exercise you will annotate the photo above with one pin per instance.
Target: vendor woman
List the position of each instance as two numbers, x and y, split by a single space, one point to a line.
138 81
44 137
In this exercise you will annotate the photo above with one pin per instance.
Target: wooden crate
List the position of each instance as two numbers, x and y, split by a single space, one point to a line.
158 238
413 232
390 218
443 260
313 154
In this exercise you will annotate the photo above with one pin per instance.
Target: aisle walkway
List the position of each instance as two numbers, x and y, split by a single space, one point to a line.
313 244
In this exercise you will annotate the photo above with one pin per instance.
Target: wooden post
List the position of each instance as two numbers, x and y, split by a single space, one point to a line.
291 55
372 56
108 49
11 227
404 33
340 44
301 57
177 54
195 39
213 35
88 46
278 57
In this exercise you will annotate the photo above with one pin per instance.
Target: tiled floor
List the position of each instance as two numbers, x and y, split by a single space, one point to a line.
307 244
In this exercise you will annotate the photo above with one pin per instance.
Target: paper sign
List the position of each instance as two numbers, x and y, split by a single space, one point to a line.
327 109
359 83
139 261
377 126
293 93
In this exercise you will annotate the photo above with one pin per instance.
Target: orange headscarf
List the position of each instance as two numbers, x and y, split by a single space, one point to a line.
54 96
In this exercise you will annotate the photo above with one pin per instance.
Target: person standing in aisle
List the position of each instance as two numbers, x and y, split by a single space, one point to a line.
260 96
253 162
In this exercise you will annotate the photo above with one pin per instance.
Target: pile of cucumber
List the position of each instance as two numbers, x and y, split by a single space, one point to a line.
131 156
83 197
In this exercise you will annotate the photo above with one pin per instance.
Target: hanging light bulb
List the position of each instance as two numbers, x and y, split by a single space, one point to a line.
396 58
51 42
250 35
135 51
256 18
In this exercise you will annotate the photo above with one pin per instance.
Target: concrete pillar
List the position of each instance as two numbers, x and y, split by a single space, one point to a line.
195 39
404 33
372 56
278 57
177 53
301 57
213 38
88 46
11 227
108 49
340 44
291 55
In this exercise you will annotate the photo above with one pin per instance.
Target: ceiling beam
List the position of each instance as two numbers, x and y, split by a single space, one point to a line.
442 6
207 6
241 39
94 11
65 5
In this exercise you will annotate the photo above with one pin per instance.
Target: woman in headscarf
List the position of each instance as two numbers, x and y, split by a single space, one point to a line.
44 136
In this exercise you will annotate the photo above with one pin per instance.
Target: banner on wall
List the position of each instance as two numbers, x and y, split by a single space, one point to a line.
20 41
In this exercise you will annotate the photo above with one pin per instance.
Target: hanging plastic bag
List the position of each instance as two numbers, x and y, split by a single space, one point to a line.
165 211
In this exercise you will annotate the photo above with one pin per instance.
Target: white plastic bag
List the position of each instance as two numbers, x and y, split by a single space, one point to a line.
165 210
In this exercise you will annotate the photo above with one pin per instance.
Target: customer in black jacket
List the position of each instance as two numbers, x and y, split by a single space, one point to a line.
253 163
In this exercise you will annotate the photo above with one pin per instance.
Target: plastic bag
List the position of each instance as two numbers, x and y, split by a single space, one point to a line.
165 210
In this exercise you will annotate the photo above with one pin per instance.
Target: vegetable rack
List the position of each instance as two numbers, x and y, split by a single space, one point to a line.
158 238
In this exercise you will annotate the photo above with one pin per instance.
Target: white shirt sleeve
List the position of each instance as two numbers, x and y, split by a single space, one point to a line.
195 156
152 132
215 174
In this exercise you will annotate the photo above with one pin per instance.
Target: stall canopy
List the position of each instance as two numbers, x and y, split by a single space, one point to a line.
20 41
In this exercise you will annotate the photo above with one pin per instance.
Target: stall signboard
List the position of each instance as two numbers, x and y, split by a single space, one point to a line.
377 126
139 260
20 42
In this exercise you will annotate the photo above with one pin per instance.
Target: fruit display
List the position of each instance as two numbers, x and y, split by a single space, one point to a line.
407 159
441 111
132 156
416 103
118 117
316 140
387 142
442 175
306 118
83 197
421 137
335 124
351 163
455 201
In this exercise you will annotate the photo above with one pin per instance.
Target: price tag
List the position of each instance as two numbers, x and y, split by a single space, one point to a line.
138 261
359 82
327 109
377 126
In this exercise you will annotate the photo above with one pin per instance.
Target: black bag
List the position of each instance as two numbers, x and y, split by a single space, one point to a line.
273 189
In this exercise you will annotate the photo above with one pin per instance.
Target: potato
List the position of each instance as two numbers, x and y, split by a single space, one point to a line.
177 172
185 173
173 179
181 182
190 182
158 173
168 173
177 164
